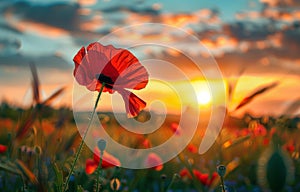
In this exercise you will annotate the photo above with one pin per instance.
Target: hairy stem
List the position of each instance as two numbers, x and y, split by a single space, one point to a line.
83 138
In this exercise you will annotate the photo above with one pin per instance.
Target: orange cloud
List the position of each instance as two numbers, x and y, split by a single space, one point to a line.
87 2
40 28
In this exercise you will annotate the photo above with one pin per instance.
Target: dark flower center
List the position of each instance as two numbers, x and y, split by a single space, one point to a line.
105 79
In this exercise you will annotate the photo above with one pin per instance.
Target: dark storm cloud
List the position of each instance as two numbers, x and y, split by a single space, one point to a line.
60 15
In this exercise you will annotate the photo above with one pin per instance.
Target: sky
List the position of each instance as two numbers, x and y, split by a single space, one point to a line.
259 37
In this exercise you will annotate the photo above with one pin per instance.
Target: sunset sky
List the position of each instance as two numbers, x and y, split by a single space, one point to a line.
260 37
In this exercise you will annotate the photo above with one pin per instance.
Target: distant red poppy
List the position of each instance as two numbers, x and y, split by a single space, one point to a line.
192 148
146 143
108 161
176 129
117 68
3 148
290 147
202 177
260 130
266 141
153 160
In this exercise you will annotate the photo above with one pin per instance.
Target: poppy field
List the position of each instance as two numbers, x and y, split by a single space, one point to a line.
42 150
149 96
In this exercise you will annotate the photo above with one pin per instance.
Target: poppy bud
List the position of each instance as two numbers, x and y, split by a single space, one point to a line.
101 144
221 169
163 177
176 177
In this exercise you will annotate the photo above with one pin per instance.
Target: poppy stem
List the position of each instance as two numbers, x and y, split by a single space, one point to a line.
83 138
222 184
98 172
172 182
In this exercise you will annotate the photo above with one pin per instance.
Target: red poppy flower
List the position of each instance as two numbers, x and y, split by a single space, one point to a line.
153 160
205 179
3 148
117 68
290 147
146 143
176 129
260 130
202 177
108 161
192 148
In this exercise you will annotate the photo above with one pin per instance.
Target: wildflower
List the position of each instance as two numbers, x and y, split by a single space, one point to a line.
3 149
260 130
118 69
202 177
290 147
146 143
154 161
108 161
175 128
192 148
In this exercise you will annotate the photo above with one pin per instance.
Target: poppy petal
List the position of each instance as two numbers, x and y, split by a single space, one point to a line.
213 178
90 166
133 103
185 173
108 160
123 67
78 57
3 148
120 59
134 76
154 161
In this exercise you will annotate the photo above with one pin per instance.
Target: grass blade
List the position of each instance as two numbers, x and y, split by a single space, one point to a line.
293 107
229 144
9 169
50 99
26 125
260 91
29 175
35 83
58 178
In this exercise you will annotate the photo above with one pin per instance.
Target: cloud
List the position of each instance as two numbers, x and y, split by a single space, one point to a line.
60 15
281 3
249 31
9 46
44 61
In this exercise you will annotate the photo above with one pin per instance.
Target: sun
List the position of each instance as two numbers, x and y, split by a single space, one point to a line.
203 97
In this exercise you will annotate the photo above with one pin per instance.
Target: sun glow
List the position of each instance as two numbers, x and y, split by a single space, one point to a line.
203 97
